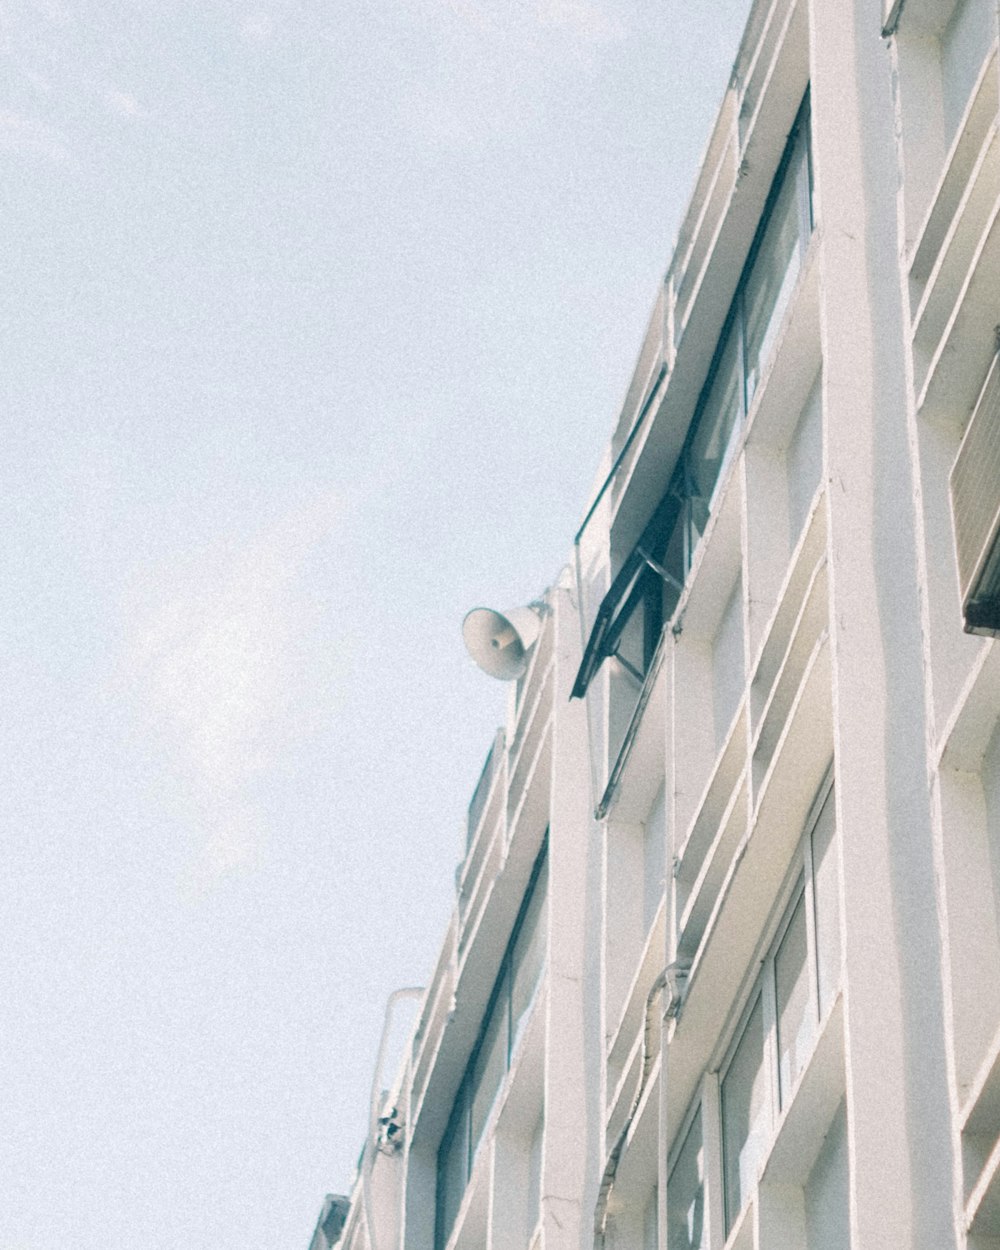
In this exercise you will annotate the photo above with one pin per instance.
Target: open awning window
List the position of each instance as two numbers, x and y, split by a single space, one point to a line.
631 614
646 590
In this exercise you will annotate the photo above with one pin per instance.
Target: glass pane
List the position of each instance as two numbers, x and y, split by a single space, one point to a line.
770 282
686 1193
633 644
827 889
654 859
652 616
965 43
535 1172
728 663
650 1231
491 1063
695 519
528 957
796 1011
804 462
713 442
674 561
746 1114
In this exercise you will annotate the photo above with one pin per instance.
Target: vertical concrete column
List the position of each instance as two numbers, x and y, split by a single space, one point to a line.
571 1156
385 1199
897 1106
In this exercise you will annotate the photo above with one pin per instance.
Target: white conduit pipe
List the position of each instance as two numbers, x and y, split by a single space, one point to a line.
368 1161
611 1168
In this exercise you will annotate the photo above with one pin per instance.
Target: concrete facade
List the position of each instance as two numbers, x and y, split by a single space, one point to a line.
724 966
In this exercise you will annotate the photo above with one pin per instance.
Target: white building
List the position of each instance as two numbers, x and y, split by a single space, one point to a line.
724 968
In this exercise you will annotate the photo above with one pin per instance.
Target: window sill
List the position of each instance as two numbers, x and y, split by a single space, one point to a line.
967 732
952 378
741 1235
955 173
813 1103
981 1145
803 1125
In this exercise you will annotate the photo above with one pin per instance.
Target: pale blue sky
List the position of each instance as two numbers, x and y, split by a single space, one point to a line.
313 323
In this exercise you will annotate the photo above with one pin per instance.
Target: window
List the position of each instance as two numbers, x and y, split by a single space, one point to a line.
748 338
796 1015
975 505
780 1026
746 1113
654 859
535 1171
650 1229
648 586
686 1192
826 903
503 1022
970 31
633 611
728 668
804 463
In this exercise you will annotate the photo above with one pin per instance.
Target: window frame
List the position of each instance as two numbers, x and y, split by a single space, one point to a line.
800 884
975 509
736 317
696 1111
460 1117
677 505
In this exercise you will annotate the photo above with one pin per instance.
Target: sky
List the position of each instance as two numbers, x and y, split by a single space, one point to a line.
314 321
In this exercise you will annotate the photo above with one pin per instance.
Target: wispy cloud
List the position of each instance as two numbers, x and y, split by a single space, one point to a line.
211 654
589 22
25 134
256 27
492 67
123 103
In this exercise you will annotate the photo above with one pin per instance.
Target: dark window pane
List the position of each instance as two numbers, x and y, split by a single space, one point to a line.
631 648
529 957
718 425
491 1064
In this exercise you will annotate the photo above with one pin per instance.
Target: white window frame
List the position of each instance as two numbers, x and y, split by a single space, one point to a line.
698 1105
799 883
